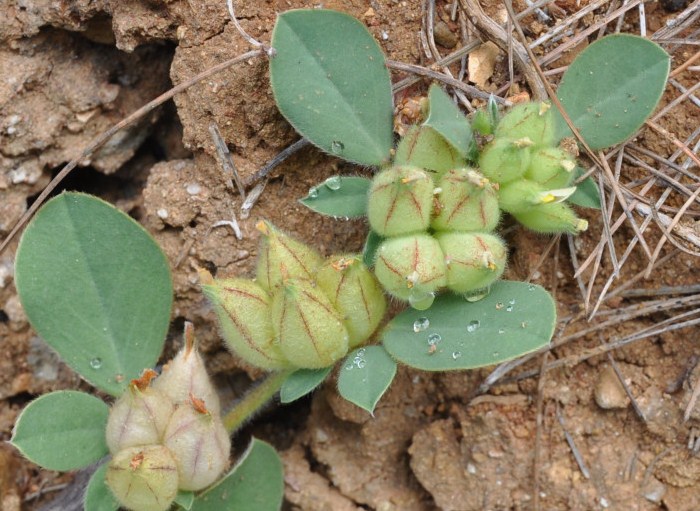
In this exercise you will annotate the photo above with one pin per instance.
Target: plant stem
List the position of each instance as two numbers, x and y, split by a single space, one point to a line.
254 400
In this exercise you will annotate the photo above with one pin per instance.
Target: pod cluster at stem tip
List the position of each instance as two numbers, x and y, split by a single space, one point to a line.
165 434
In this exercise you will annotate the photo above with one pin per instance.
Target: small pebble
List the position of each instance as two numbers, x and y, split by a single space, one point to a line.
609 393
444 36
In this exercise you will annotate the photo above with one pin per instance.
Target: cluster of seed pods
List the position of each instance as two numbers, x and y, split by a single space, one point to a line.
301 311
438 229
165 434
533 175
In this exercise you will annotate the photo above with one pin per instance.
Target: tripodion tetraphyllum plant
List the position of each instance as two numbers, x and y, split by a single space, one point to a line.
96 287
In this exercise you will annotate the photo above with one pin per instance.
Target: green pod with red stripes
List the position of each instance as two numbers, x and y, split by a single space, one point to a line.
466 201
532 120
474 260
400 201
310 332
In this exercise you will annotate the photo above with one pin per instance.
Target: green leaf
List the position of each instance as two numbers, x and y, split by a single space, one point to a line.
330 81
339 196
98 496
62 430
449 121
372 243
425 148
587 194
184 499
365 375
514 319
255 484
301 382
96 287
611 88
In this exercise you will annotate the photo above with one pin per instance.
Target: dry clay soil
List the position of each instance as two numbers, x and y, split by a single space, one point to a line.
71 69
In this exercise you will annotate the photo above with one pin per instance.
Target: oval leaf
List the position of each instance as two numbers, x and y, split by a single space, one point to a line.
514 319
301 382
330 81
62 430
256 483
98 496
449 121
365 375
339 196
96 287
611 88
587 194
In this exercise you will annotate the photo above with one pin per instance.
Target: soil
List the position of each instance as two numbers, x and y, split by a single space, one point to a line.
71 69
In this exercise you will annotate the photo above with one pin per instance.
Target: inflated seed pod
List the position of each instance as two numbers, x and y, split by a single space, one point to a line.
199 443
532 120
282 257
243 310
552 218
185 376
425 148
474 260
411 266
139 416
143 478
551 167
519 195
466 201
355 293
400 201
505 159
309 329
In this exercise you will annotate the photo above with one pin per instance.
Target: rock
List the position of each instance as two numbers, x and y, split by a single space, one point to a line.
444 36
609 393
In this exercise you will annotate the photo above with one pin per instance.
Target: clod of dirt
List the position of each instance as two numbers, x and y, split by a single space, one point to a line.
609 393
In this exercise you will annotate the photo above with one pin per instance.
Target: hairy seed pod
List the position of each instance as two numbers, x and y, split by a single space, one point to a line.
143 478
139 416
410 266
519 195
425 148
468 202
185 376
505 159
474 260
482 123
199 443
552 218
283 257
243 309
400 201
355 293
309 330
551 167
532 120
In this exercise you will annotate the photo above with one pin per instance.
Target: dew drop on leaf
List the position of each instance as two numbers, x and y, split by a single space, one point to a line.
96 363
420 300
509 308
433 339
333 183
421 324
473 325
313 192
337 147
456 355
501 330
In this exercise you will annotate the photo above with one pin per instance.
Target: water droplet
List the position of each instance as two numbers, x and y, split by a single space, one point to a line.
313 192
531 287
337 147
433 339
501 330
421 324
477 295
360 363
333 183
509 308
499 305
473 325
349 367
511 301
420 300
456 355
96 363
495 354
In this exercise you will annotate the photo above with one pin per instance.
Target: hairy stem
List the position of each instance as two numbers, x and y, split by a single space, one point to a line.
254 400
